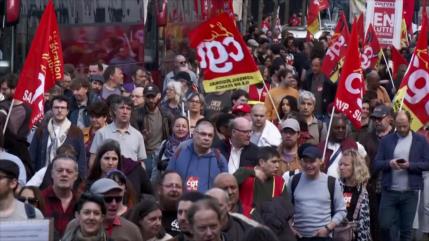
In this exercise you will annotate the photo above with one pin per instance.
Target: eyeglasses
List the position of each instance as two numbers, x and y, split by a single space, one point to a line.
244 131
31 200
110 199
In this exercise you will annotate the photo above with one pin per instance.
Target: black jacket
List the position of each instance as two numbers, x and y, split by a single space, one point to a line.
329 90
249 155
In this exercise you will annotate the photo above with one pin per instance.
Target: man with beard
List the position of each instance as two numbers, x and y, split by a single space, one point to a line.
117 228
383 125
288 149
170 190
11 208
338 143
183 206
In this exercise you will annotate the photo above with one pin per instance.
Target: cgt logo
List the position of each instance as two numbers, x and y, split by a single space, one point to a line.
368 53
219 54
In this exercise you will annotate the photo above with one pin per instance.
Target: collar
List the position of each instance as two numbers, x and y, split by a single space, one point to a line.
115 128
83 104
116 222
410 133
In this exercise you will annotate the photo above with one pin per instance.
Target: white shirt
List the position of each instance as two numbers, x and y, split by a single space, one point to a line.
234 159
334 167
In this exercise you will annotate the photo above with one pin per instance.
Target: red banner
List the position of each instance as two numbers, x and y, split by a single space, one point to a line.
408 12
371 49
397 60
331 63
43 65
413 95
223 55
348 99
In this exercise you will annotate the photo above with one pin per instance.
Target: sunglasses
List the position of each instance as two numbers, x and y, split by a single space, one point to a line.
33 201
117 199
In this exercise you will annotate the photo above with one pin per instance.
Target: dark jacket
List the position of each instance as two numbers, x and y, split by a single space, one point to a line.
235 228
329 90
138 119
418 159
248 157
137 176
39 145
74 115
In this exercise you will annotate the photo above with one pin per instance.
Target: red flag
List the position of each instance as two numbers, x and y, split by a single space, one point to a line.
414 90
222 6
223 55
336 49
323 4
397 60
313 24
360 27
408 12
348 99
371 49
43 65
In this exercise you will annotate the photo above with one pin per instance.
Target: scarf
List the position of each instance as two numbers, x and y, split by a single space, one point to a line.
56 141
171 145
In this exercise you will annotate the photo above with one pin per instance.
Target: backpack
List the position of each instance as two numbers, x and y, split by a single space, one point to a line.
331 188
30 211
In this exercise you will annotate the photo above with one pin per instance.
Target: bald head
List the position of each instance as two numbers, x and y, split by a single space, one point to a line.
240 132
222 197
373 80
259 117
402 123
228 183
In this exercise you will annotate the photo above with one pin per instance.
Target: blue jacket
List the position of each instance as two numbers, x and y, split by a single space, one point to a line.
418 159
197 172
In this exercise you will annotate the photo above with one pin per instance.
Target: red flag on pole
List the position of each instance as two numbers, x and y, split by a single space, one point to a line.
371 49
43 66
413 95
360 27
397 60
348 99
336 50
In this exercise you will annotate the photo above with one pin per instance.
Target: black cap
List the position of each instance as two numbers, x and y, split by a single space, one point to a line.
150 89
380 111
10 168
183 75
311 152
98 78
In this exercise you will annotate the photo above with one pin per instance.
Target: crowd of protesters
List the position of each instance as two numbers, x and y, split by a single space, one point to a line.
122 158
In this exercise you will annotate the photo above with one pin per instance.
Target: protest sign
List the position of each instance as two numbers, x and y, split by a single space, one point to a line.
386 18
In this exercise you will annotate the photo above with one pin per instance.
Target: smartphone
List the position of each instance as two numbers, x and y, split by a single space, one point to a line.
400 161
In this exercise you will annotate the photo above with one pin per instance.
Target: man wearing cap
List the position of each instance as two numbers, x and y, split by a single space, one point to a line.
289 148
382 117
59 197
313 200
261 183
242 110
130 139
401 157
180 64
117 227
239 152
10 208
265 133
114 79
152 123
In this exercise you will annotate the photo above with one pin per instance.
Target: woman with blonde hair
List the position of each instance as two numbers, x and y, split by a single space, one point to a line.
354 175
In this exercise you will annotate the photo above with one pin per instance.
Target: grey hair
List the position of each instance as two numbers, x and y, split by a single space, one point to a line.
306 95
177 86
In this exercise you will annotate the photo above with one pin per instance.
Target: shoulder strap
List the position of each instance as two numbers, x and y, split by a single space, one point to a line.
359 202
30 211
331 188
295 181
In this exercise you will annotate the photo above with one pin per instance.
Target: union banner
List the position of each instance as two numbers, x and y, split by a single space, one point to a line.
223 55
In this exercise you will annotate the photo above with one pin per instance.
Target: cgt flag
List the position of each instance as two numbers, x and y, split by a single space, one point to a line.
413 94
223 55
332 63
43 65
314 7
371 49
348 99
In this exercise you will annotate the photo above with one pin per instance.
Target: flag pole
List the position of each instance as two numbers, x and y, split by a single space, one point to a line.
8 116
388 71
272 101
327 135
